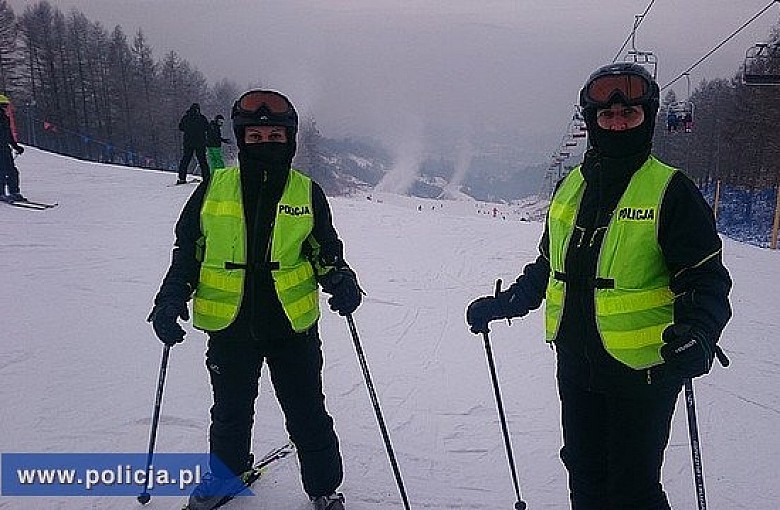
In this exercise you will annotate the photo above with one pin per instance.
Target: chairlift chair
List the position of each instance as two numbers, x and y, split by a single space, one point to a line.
762 65
646 59
680 113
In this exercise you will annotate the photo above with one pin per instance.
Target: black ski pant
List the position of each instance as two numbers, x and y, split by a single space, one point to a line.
9 174
296 374
613 447
186 157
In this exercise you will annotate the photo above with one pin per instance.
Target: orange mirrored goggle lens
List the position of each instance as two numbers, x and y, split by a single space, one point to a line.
632 87
251 102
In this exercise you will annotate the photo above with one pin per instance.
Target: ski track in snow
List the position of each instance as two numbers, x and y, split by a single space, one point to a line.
79 363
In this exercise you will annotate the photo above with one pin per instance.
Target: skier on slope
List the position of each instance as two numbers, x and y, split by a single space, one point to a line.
636 296
254 275
214 141
194 125
9 174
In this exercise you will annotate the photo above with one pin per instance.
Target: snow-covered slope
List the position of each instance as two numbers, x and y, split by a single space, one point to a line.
79 363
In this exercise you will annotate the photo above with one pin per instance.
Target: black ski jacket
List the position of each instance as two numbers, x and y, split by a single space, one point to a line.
214 135
261 315
194 125
688 239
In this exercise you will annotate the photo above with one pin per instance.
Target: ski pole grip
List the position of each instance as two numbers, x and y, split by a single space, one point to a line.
496 293
724 360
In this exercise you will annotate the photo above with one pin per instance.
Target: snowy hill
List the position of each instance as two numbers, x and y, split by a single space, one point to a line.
79 363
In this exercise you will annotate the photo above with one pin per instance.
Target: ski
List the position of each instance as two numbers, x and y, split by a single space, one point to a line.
256 471
191 181
27 204
42 205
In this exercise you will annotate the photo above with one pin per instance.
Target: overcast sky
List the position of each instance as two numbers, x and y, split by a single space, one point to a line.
397 69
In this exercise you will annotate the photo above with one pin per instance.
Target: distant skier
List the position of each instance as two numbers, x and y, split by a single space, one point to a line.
214 141
194 125
9 174
636 294
688 121
253 245
672 120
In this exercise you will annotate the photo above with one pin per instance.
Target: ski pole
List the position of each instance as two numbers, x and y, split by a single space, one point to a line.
519 504
693 433
377 410
144 497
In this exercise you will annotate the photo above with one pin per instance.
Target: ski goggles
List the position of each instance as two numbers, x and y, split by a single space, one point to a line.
254 101
630 89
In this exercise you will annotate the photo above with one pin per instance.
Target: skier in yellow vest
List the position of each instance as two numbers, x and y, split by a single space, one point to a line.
636 296
252 245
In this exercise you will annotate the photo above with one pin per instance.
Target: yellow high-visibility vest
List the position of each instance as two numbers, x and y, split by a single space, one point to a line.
633 301
223 267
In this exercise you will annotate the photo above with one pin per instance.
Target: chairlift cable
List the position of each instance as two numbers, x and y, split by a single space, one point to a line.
716 48
633 31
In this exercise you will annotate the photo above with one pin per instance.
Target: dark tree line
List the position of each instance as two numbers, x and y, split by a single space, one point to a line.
736 132
82 90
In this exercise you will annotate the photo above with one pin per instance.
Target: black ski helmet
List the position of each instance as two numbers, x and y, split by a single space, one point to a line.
638 89
260 107
650 100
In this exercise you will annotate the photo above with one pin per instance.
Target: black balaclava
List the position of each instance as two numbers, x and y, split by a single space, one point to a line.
621 144
267 157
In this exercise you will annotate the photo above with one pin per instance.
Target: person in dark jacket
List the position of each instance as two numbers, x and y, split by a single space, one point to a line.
194 125
214 141
254 276
636 296
9 174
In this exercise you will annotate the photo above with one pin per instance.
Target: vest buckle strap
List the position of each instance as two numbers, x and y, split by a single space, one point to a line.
587 282
232 265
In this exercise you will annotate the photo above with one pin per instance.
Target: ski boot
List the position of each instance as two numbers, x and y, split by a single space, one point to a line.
333 501
213 492
16 197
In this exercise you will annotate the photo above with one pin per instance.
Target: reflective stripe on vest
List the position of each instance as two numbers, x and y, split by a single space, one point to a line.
220 288
631 316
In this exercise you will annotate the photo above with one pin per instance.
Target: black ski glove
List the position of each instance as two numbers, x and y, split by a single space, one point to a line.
164 319
346 294
510 303
688 351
